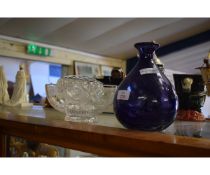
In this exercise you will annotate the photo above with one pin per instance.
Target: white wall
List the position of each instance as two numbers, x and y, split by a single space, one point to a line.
40 76
11 66
186 60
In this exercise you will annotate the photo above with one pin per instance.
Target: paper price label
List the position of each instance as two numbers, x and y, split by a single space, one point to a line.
148 71
123 95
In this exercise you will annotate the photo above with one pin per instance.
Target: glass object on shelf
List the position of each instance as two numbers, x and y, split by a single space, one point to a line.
189 129
52 97
80 97
145 99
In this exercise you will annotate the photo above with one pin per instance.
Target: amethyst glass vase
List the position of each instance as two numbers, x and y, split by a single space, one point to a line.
145 99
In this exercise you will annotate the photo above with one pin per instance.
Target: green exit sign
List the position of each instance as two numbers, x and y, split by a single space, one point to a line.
37 50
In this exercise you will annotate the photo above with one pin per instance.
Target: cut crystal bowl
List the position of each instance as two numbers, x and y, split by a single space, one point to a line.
80 97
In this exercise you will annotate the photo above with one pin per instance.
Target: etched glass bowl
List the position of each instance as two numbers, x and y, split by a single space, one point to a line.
80 97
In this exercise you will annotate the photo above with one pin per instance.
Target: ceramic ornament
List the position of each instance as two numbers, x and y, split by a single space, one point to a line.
4 96
19 95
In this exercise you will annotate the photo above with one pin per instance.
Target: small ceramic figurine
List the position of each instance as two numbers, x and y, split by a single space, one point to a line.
19 95
4 96
205 72
191 94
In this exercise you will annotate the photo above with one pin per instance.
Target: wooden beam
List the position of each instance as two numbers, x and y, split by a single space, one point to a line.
16 49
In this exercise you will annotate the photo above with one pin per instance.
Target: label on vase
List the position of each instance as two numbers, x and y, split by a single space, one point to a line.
123 95
148 71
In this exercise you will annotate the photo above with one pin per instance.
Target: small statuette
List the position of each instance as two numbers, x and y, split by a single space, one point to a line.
19 95
4 96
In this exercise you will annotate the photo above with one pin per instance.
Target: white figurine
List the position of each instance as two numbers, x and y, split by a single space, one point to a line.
19 95
4 96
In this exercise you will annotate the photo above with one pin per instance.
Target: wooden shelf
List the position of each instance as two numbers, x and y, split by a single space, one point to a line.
48 126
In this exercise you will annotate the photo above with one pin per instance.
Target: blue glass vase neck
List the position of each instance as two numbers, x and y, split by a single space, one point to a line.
146 51
146 54
145 61
146 48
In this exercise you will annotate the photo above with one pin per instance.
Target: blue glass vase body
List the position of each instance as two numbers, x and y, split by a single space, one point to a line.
145 99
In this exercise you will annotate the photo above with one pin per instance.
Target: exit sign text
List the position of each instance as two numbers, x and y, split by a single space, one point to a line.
37 50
